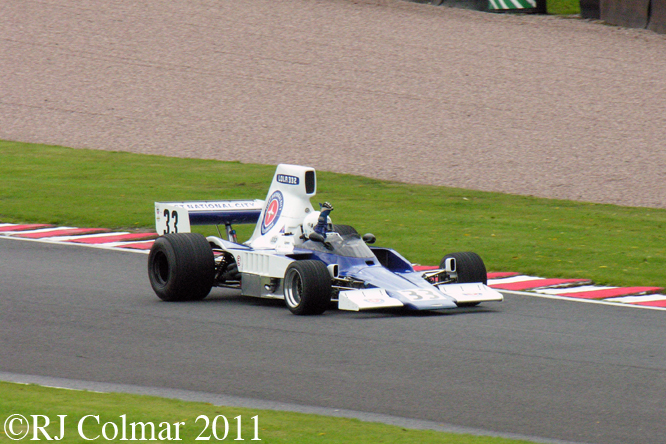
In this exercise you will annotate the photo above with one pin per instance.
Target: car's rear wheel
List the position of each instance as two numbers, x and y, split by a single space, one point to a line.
307 287
181 267
470 268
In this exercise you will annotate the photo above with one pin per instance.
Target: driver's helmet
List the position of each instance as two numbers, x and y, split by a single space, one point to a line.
310 222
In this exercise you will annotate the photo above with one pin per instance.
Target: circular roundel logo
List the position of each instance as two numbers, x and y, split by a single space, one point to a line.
273 211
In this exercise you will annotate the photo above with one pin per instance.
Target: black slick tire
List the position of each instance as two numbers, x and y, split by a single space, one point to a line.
181 267
307 287
469 267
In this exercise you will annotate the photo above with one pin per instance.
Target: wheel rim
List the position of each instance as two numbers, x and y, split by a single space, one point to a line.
293 288
161 269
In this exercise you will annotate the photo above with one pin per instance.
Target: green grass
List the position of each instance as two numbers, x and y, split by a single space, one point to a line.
271 426
552 238
563 7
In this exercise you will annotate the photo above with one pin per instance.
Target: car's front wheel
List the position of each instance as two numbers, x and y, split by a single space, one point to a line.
181 267
469 268
307 287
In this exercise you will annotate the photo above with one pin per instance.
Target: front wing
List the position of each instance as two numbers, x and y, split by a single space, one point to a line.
443 297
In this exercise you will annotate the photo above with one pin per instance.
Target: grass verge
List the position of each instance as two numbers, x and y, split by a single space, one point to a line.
563 7
553 238
266 425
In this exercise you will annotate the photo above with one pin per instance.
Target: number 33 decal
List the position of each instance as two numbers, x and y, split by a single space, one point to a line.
421 294
171 218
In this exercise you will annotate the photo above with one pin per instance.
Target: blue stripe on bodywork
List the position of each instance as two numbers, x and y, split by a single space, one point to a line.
377 276
224 217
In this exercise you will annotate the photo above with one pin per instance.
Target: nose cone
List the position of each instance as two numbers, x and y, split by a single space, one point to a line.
416 294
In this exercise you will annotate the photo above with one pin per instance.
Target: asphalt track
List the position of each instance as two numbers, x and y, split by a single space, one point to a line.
529 366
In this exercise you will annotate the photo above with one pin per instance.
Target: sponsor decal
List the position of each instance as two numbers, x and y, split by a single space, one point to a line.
289 180
421 294
273 211
231 205
238 263
374 301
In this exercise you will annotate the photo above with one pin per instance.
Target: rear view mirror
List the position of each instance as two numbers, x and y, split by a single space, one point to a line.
369 238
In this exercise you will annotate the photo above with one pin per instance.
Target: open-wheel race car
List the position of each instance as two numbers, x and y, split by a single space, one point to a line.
298 255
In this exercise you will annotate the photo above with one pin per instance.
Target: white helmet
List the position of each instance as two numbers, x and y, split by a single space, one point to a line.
310 222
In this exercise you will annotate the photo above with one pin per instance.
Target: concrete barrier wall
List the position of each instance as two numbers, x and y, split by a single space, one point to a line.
650 14
629 13
657 21
589 9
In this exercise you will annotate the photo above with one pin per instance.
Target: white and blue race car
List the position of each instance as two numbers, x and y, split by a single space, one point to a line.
298 255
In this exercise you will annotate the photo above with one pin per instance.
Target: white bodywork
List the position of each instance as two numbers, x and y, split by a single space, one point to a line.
175 217
366 299
286 206
278 228
471 293
278 231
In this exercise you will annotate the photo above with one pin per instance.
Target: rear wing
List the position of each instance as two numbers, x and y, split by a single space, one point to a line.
178 217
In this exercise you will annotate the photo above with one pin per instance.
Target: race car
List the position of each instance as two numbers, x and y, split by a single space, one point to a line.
297 254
